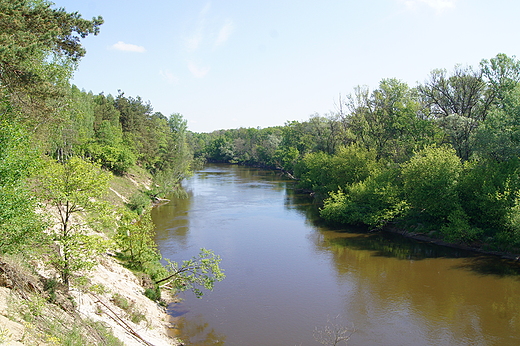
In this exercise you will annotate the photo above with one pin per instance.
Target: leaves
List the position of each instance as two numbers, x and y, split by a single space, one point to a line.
19 224
74 187
135 239
430 182
200 272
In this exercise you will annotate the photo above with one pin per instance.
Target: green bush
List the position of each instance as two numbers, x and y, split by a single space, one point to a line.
458 228
139 202
120 301
117 159
489 190
430 181
135 241
323 173
374 201
153 293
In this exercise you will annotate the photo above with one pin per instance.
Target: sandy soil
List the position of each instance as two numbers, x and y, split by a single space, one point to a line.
99 307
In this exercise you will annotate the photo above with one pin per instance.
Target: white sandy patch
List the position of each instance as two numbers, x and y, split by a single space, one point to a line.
117 279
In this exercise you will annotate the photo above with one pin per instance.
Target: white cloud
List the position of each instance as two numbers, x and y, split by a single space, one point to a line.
197 71
224 33
438 5
168 76
205 9
127 47
193 42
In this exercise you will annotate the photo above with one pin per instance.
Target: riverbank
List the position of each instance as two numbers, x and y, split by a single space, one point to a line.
107 306
111 306
473 248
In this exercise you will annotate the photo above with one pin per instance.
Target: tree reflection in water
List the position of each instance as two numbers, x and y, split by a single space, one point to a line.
196 332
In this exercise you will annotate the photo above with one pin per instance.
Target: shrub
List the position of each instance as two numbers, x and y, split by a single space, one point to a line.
139 202
430 183
374 201
458 228
323 173
153 293
120 301
489 190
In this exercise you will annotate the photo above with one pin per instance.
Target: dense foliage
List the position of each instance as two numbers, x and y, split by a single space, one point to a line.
60 147
441 158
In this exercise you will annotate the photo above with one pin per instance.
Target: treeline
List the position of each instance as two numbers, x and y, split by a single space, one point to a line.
440 158
121 132
60 148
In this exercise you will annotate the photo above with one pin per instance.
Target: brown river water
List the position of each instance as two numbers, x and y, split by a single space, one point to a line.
289 277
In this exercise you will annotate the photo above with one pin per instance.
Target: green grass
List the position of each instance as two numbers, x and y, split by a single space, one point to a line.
125 187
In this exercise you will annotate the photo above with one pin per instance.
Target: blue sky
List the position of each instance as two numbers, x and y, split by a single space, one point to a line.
242 63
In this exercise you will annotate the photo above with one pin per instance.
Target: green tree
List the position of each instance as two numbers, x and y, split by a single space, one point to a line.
20 225
105 110
74 188
374 201
323 173
201 271
135 239
40 46
490 191
430 183
221 149
498 137
387 120
176 157
319 133
460 102
75 128
502 74
286 158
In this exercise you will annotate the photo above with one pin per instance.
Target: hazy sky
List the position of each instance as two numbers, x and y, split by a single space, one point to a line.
243 63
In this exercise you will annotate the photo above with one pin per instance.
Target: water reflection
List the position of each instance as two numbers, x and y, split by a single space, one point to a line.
490 265
172 221
399 280
287 272
196 332
395 246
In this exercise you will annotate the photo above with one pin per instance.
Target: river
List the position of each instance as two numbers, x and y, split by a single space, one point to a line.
290 278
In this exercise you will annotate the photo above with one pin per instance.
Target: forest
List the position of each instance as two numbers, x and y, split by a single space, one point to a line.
61 151
440 158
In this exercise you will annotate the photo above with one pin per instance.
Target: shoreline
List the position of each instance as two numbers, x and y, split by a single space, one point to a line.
426 239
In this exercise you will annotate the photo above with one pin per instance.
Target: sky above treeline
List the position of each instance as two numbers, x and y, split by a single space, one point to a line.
227 64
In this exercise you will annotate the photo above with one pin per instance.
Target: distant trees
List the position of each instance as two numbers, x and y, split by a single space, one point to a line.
57 144
440 158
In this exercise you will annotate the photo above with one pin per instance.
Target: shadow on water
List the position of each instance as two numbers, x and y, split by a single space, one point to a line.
393 245
491 265
175 310
396 246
